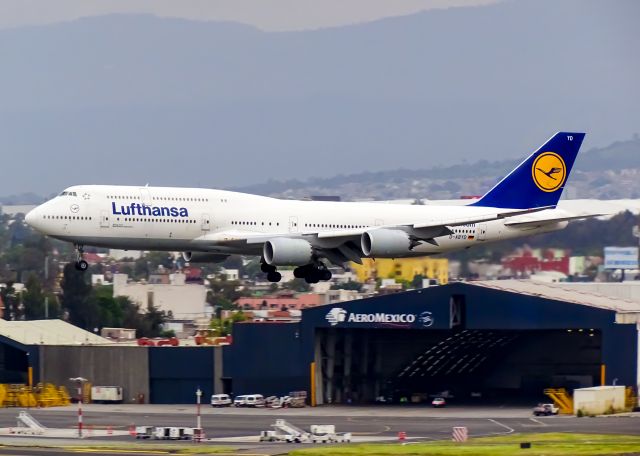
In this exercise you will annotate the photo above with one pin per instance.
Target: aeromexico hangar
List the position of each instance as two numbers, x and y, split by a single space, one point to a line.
498 339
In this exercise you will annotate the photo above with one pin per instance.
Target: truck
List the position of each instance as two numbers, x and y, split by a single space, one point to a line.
545 410
284 431
106 394
326 433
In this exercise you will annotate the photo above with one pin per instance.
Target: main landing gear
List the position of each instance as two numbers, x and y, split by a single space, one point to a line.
81 265
272 274
312 273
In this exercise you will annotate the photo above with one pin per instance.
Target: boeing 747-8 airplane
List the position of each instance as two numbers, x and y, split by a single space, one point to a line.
209 225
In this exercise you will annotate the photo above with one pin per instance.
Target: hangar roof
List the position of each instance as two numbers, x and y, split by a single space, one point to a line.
562 292
48 332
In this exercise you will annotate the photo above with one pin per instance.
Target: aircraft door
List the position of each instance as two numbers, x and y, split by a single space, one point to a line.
293 224
206 222
104 219
482 231
145 196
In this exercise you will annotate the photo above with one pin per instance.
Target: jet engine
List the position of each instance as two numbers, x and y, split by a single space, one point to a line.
385 243
203 257
287 252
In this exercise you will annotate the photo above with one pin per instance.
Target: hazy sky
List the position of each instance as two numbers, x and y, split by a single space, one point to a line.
272 15
152 95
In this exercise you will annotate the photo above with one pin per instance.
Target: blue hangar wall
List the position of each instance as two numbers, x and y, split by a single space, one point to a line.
275 358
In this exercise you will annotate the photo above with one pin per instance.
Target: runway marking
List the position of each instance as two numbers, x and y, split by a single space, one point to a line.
386 429
123 451
540 423
509 429
354 420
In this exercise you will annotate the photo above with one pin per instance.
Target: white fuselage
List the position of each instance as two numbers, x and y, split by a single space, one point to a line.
204 220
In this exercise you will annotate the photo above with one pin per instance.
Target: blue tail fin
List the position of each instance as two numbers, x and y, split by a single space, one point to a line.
539 180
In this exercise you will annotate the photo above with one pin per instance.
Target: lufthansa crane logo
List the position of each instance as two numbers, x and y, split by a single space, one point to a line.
549 171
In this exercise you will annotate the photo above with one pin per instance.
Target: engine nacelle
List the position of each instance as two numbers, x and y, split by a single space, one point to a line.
287 252
203 257
385 243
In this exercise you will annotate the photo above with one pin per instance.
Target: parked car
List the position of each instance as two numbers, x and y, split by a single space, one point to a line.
249 400
220 400
438 402
545 410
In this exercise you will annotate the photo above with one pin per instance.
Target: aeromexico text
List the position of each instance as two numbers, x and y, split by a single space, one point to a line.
154 211
381 318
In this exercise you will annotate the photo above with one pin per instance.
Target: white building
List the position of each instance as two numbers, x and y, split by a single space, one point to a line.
185 301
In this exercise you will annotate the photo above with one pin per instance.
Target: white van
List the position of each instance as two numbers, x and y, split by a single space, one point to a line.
220 400
249 400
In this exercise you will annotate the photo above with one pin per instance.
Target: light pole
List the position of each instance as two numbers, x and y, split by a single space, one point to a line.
198 396
80 381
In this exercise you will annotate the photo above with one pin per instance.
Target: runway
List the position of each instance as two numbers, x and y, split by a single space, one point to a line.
239 428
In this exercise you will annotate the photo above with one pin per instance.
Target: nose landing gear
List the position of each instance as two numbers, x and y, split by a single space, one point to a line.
81 264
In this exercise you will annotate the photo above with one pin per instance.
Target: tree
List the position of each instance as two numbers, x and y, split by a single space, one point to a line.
11 302
299 285
350 285
154 320
76 294
33 298
223 326
109 308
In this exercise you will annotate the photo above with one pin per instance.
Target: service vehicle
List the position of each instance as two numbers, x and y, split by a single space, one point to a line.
144 432
249 400
220 400
326 433
106 394
439 402
545 410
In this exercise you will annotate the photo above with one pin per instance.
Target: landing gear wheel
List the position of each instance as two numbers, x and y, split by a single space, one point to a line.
267 268
300 272
325 274
313 276
274 276
81 265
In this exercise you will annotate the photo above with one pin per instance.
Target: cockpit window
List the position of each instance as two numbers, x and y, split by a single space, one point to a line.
65 193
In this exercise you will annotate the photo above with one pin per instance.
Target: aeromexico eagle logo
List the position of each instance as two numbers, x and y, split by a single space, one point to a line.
143 209
339 315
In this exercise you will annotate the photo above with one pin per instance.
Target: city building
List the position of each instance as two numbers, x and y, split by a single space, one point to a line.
184 301
402 269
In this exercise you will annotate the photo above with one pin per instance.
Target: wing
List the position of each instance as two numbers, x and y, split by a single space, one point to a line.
546 217
342 245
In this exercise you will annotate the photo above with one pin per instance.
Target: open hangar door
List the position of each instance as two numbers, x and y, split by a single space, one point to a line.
504 341
361 365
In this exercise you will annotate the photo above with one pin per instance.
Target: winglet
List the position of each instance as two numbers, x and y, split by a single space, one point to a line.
539 180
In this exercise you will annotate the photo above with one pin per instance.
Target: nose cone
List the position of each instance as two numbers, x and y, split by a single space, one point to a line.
32 218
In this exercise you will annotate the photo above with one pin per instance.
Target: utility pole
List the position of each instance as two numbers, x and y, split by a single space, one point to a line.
198 396
197 435
46 280
80 381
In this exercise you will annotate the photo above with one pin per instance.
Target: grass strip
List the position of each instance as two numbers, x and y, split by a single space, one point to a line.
550 444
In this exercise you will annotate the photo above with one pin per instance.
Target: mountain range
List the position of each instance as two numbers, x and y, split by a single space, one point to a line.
135 99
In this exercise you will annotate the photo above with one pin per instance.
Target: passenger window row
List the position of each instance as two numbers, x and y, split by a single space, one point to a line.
157 198
135 219
255 223
329 225
65 217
